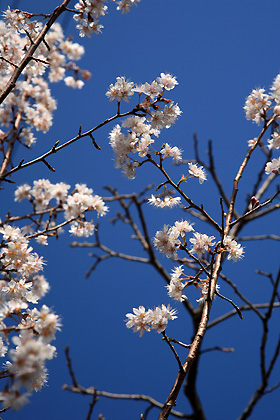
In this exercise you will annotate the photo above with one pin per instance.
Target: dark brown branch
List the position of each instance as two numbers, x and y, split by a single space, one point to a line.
212 170
231 302
168 341
69 365
57 148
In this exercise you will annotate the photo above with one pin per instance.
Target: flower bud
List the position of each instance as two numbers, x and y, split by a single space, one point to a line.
254 202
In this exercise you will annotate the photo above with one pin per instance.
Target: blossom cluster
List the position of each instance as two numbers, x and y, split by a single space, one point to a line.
235 250
170 239
33 329
167 201
73 205
89 12
31 103
142 320
179 281
155 112
256 107
22 284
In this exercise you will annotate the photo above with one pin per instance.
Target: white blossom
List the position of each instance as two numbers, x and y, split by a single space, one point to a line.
122 89
201 243
167 201
274 142
167 81
256 105
197 171
273 166
235 250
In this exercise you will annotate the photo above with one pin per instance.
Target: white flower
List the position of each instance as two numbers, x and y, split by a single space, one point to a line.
164 118
235 250
139 320
74 83
82 229
3 348
174 152
176 286
13 399
152 90
42 240
47 323
183 227
165 202
256 105
251 143
167 81
274 142
120 90
125 5
276 89
201 243
166 241
198 172
40 286
273 167
160 316
59 191
142 320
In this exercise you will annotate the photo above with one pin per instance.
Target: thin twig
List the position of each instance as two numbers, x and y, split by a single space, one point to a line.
165 338
135 397
231 302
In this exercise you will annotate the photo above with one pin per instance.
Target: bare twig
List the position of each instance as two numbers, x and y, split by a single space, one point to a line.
165 338
217 348
57 148
231 302
135 397
69 365
242 308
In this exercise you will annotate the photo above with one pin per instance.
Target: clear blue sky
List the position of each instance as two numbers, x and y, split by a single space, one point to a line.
219 51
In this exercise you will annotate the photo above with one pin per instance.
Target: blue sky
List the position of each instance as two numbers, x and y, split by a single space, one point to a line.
219 51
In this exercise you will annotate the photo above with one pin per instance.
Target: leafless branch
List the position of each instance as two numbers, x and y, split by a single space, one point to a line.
56 148
217 348
242 308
